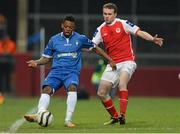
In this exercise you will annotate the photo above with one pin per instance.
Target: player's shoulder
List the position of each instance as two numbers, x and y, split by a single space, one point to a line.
76 34
121 20
55 36
101 26
79 36
126 22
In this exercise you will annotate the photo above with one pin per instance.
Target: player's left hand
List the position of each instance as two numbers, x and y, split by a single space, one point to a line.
113 65
179 76
157 40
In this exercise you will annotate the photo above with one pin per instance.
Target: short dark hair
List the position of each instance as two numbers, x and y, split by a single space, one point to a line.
111 6
69 18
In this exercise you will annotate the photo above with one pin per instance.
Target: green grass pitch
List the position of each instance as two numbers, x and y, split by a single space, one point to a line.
146 115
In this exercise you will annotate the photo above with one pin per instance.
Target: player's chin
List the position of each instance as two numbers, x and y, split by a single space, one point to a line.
67 33
108 22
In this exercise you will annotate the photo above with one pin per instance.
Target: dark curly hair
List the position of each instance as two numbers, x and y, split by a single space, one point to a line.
69 18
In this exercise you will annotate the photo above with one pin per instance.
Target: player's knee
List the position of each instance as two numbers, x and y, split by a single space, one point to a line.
72 88
122 86
101 94
47 90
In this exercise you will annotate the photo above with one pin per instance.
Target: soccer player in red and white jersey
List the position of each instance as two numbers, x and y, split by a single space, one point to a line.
115 34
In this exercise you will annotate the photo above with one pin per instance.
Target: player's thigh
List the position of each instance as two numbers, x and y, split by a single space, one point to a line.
71 81
109 75
104 87
129 67
124 79
53 81
126 71
108 80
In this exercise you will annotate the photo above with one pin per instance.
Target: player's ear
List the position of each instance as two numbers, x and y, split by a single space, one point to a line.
115 14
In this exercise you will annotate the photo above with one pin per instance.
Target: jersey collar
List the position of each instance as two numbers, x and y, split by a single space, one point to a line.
64 36
112 22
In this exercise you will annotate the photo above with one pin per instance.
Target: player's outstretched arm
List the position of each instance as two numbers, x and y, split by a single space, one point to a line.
35 63
155 39
101 52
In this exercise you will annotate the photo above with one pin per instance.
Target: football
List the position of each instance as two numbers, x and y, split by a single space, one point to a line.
45 118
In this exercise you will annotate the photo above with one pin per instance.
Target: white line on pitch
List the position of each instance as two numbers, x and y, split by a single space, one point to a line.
14 127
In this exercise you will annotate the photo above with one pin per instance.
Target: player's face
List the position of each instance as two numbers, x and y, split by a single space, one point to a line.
67 28
109 15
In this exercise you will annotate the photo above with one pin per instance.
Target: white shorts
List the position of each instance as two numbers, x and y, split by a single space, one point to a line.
113 76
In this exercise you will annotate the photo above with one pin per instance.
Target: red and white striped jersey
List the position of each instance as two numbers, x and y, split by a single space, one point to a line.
117 39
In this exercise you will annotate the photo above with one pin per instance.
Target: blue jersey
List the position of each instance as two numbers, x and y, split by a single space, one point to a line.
66 52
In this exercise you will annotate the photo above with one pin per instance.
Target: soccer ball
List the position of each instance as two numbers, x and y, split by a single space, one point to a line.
45 118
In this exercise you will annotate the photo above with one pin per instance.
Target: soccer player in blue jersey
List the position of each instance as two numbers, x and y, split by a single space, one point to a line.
65 49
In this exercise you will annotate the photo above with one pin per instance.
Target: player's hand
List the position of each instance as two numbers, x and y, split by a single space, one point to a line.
157 40
113 65
179 76
32 63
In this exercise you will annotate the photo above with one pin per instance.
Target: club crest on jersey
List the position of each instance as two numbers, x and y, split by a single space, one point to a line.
118 30
77 43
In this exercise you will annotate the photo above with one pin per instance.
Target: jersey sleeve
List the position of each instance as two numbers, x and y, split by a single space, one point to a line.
129 27
48 51
87 43
97 37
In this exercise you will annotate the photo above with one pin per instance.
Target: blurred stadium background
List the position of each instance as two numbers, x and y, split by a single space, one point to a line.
157 67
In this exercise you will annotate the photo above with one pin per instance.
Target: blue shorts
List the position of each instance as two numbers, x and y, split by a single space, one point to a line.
56 81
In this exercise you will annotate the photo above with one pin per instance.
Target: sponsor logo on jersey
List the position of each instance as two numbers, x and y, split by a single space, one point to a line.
68 44
77 43
74 55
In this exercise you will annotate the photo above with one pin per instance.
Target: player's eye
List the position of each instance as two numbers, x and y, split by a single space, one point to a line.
67 27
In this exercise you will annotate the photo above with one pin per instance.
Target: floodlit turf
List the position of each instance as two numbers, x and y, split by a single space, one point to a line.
147 115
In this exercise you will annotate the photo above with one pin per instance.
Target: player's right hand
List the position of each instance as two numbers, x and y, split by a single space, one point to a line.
157 40
113 65
32 63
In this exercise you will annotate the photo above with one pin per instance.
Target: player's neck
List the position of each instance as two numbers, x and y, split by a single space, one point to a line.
111 23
